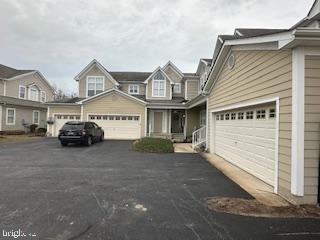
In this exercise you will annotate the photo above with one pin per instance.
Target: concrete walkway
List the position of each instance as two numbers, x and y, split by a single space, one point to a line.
261 191
183 148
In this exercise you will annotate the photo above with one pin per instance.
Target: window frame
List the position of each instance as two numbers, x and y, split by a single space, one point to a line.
132 86
174 90
261 114
14 116
33 118
25 91
158 81
37 90
95 85
45 96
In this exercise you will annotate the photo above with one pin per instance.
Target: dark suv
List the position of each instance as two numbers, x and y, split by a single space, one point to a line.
80 132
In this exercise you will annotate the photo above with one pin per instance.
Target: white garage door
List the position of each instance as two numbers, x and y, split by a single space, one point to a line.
118 126
246 138
61 119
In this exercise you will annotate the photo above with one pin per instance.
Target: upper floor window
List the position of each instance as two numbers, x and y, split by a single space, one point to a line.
33 93
95 85
22 92
177 88
134 89
159 85
203 79
43 96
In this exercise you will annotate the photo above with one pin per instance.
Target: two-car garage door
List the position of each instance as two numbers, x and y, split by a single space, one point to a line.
118 126
246 138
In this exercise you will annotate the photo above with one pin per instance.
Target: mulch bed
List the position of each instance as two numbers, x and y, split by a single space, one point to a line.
253 208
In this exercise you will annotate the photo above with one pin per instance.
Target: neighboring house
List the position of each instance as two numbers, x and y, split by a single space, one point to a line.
22 97
130 105
263 101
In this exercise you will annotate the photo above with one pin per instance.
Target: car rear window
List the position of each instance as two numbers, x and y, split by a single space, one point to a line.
73 126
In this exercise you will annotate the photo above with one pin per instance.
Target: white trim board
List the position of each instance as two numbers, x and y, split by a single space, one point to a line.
249 104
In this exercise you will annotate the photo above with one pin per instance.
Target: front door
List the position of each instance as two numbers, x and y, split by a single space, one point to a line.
177 123
157 122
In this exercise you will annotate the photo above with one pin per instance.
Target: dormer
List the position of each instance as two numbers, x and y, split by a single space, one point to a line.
94 79
159 86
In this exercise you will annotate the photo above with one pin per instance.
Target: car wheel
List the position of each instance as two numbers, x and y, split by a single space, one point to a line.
64 144
102 137
89 141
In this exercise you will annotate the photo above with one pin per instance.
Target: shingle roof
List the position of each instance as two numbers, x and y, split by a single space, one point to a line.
67 100
8 72
173 101
20 102
130 76
256 32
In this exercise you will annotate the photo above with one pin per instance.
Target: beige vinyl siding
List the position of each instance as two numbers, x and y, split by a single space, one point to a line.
193 119
192 89
2 87
168 91
12 86
260 75
312 127
95 71
59 109
23 114
115 104
125 88
176 78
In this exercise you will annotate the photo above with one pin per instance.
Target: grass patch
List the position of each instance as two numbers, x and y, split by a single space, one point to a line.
153 145
16 138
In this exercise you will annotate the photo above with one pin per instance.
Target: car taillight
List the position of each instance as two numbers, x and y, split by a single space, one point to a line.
83 132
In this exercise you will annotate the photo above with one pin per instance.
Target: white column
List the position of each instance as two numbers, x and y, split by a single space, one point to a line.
298 103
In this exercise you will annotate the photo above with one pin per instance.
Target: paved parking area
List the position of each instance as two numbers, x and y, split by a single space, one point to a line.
106 191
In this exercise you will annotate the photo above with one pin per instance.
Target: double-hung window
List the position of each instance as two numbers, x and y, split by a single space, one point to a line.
177 88
159 85
35 117
22 92
34 93
11 116
43 96
95 85
134 89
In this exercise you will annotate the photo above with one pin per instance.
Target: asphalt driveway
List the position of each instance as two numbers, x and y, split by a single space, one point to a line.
106 191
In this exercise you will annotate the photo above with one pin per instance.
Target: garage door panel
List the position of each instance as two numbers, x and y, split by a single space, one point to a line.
248 143
61 119
118 127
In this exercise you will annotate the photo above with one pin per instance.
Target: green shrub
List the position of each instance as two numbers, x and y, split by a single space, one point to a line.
153 145
33 128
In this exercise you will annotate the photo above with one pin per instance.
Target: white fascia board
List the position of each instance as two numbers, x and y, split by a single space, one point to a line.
108 92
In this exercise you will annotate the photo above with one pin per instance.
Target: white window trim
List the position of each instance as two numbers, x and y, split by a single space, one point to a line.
25 91
45 96
14 116
165 88
29 93
87 83
34 111
177 84
133 85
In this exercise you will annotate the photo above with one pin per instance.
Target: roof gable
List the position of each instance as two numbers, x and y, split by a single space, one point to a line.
8 72
315 9
93 63
174 68
155 71
109 92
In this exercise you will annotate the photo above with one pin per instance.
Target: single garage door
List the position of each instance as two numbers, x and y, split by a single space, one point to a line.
61 119
246 138
118 126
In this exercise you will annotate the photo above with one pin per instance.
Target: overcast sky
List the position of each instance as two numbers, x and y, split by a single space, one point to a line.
59 37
